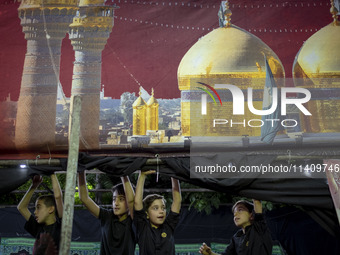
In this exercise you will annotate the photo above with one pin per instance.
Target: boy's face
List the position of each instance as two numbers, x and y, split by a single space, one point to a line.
42 212
119 204
242 217
157 212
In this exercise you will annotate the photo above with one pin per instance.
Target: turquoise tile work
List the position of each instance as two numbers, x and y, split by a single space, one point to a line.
16 246
218 247
10 246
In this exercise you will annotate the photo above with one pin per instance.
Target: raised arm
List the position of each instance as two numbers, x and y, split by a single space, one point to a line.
176 196
129 193
84 195
138 204
58 195
257 206
23 205
206 250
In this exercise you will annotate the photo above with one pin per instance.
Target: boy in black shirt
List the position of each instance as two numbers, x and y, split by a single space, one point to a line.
118 237
155 230
45 218
253 238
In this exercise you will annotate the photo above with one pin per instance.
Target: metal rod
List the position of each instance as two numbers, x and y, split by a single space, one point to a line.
51 162
109 190
56 162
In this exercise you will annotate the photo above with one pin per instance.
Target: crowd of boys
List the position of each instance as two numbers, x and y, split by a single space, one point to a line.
133 220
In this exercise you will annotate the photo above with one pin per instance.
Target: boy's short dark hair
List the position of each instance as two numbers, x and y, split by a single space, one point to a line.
245 203
48 200
119 188
148 200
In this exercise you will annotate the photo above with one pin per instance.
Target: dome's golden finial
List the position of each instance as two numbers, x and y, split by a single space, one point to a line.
152 92
227 14
140 91
258 67
334 12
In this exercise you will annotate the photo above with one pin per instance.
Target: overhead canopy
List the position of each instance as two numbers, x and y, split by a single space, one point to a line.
311 194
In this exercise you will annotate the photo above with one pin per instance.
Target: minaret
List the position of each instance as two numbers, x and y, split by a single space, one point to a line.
152 113
89 32
139 116
45 25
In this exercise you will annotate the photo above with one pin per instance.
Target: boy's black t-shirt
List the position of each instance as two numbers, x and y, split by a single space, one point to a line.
256 240
35 229
118 237
156 241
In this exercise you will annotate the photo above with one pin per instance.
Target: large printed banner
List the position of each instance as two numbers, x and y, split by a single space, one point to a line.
159 74
246 88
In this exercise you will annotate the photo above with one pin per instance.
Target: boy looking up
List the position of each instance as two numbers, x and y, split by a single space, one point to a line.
48 211
116 224
253 238
155 230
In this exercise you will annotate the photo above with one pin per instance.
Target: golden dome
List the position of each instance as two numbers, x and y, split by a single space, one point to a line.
226 55
227 51
317 67
319 56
